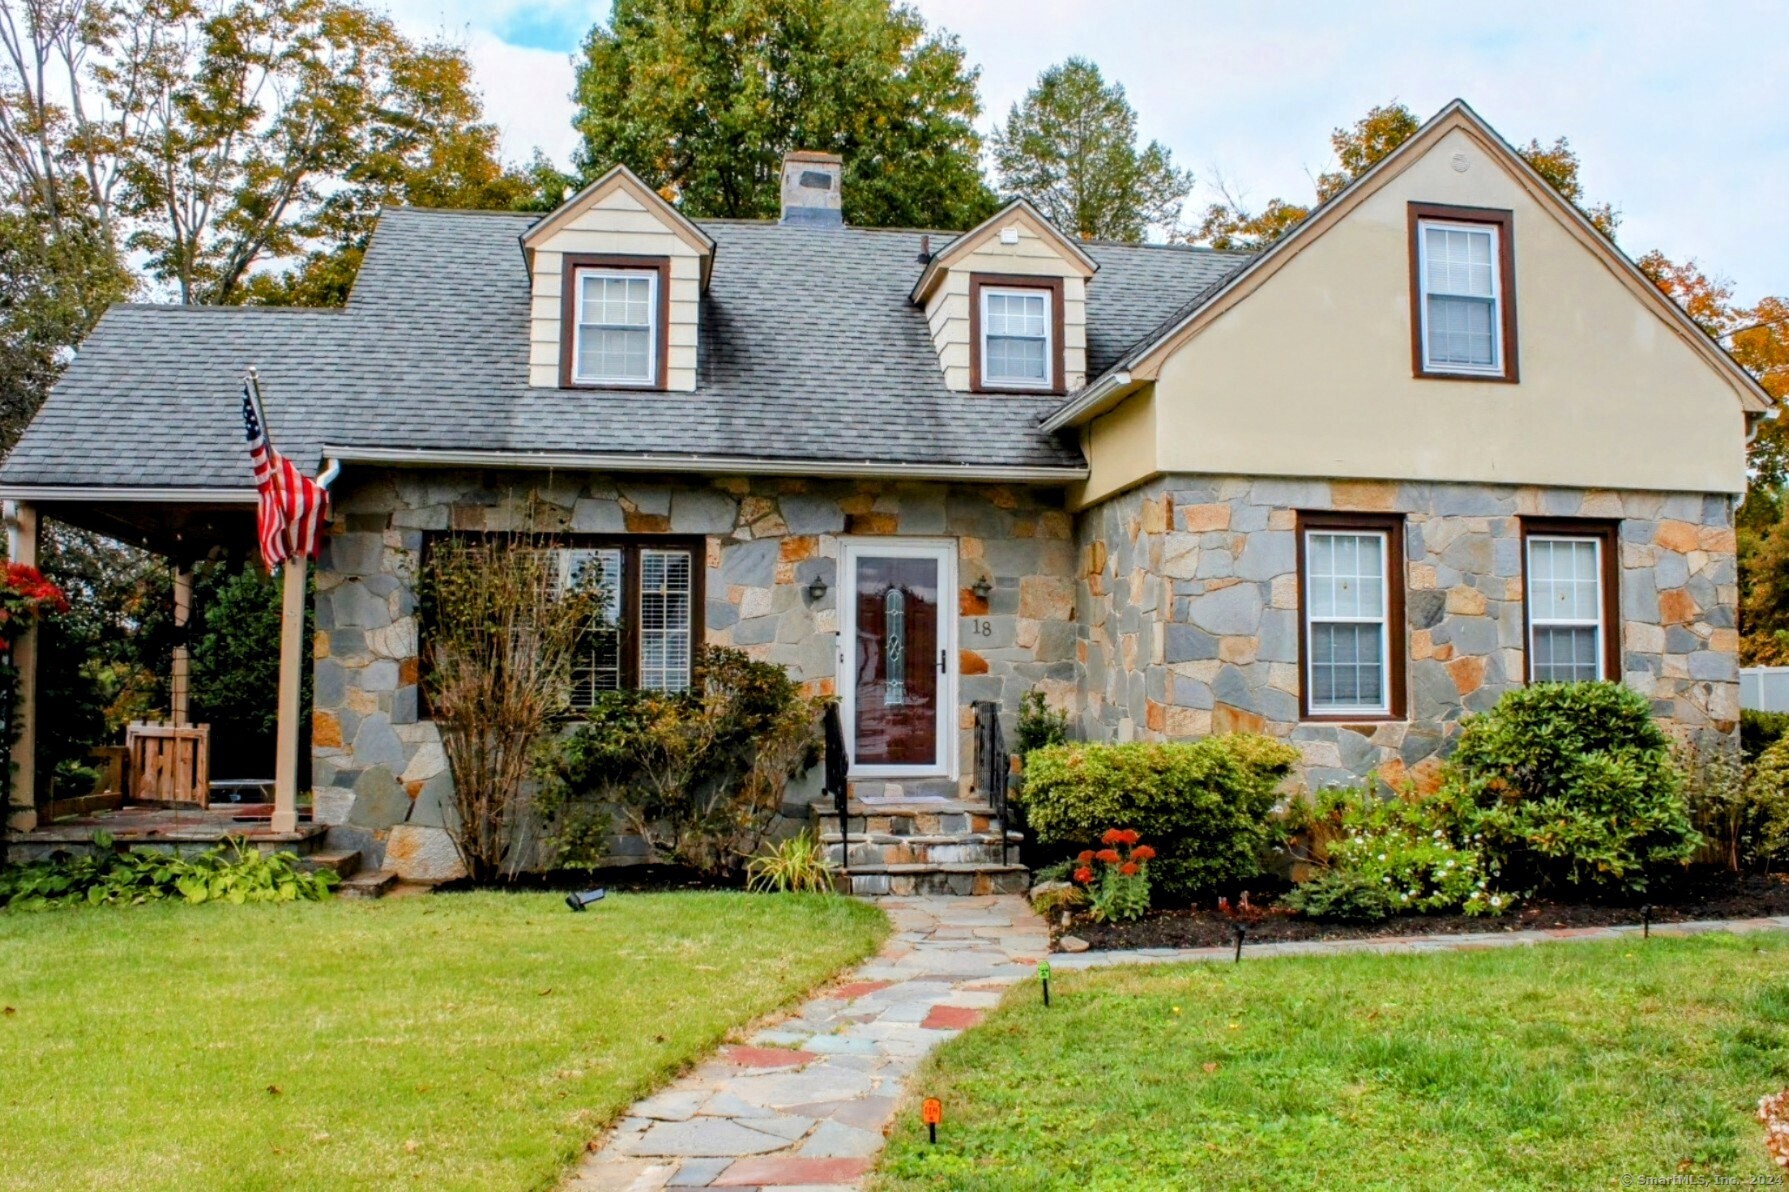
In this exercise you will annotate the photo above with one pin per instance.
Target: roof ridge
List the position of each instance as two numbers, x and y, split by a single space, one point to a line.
195 307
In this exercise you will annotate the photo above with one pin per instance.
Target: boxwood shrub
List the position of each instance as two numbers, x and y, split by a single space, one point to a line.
1203 805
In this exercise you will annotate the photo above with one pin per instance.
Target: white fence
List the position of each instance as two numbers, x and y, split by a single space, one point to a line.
1764 688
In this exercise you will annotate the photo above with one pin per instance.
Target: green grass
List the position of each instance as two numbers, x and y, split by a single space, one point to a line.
1562 1066
458 1041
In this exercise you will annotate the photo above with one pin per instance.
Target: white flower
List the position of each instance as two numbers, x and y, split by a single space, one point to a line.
1382 856
1496 900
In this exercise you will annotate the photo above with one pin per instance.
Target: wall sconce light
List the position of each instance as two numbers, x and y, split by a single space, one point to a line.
982 587
817 589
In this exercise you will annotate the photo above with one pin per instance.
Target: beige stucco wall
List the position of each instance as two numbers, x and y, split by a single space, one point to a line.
1310 373
616 223
947 306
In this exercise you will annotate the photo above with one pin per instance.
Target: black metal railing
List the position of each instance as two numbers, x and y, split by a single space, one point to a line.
838 765
993 767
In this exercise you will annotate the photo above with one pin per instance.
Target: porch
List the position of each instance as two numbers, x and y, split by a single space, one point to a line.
176 830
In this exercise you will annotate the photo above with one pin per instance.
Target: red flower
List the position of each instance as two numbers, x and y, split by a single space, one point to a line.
1112 836
1129 869
1109 856
1129 836
1142 853
1084 875
1086 857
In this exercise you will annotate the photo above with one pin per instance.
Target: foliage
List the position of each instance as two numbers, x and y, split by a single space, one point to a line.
26 598
703 100
1364 1071
235 872
497 668
1116 876
1381 857
1359 148
1205 803
1062 897
698 775
507 1031
1717 792
1571 784
1070 147
795 865
1761 821
1758 731
1040 725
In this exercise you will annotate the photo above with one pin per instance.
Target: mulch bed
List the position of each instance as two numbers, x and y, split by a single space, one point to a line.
1697 896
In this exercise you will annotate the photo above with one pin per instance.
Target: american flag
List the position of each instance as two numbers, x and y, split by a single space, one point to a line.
293 505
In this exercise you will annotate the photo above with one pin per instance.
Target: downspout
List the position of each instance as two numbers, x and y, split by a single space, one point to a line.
333 468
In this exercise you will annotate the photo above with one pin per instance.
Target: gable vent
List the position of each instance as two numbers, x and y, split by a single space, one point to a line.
812 189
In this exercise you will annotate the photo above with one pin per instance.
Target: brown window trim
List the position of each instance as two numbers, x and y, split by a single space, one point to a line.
630 545
1016 281
1506 250
1397 630
1608 532
568 314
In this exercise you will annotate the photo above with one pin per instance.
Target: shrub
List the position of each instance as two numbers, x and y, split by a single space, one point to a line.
1040 725
1116 876
1205 803
697 775
1571 784
1382 857
796 864
234 872
1764 817
1758 731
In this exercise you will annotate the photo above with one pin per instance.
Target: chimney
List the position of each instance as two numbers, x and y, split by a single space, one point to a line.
811 189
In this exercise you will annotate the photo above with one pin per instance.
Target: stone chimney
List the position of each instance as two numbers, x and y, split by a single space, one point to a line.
812 189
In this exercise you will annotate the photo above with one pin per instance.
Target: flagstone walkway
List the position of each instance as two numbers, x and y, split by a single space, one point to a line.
803 1105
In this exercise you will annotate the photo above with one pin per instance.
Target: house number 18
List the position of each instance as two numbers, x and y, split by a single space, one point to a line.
980 627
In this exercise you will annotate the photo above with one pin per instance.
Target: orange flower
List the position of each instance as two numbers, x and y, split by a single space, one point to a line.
1086 857
1109 856
1112 836
1129 869
1084 875
1142 853
1129 836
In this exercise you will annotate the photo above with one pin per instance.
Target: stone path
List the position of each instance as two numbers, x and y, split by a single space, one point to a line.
804 1103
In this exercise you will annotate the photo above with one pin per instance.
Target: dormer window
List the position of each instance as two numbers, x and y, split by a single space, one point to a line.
1016 333
1462 293
615 322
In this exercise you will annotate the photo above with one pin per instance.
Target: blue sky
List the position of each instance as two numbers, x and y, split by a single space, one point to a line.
1676 109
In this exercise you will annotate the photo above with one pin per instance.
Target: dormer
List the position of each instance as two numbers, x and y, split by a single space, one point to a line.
618 275
1007 306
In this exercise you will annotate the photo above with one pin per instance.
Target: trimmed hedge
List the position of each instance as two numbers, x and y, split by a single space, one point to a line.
1203 805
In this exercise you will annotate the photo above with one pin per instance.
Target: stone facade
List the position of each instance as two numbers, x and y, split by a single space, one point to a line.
1189 593
380 776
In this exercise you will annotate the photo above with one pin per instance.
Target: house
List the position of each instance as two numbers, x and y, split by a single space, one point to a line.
1442 440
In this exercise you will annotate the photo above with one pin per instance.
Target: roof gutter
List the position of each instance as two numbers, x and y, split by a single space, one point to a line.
129 493
721 464
1108 386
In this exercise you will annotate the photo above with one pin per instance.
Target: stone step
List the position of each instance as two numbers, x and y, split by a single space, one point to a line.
960 880
344 862
369 885
932 818
953 853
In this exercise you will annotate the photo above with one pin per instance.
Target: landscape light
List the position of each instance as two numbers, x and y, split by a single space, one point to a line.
584 898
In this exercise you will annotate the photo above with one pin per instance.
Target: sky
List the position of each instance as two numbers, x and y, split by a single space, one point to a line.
1679 111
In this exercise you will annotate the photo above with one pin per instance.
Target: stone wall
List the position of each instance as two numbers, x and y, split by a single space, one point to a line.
1188 609
379 774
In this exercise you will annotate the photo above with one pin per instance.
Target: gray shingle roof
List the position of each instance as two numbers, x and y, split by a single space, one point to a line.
810 351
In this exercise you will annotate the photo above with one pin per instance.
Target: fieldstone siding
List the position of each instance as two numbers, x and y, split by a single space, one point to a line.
1188 607
379 772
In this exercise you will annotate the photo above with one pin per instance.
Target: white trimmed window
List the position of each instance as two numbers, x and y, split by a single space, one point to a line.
665 619
1016 347
1460 270
645 634
1347 646
616 337
1566 609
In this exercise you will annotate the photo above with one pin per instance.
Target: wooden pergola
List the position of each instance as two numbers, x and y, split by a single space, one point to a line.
182 525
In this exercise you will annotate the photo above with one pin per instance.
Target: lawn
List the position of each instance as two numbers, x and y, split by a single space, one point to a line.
454 1041
1568 1065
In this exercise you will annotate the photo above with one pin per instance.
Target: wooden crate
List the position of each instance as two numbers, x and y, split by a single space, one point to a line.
169 763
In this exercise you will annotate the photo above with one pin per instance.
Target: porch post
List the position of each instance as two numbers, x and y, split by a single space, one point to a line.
180 673
21 547
285 768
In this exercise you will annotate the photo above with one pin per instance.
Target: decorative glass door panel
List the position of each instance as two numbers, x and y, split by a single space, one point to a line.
899 660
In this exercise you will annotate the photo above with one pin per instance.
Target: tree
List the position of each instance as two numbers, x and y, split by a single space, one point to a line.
1071 148
702 100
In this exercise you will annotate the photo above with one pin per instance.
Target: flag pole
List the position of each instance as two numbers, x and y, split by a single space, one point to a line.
293 575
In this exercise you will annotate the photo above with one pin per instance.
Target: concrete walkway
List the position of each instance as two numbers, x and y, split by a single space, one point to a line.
804 1104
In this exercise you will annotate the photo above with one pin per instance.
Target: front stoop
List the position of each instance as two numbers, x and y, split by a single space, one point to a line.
927 846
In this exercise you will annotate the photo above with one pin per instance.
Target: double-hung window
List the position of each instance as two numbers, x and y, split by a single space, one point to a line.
614 312
1017 329
650 618
1352 574
1465 325
1571 601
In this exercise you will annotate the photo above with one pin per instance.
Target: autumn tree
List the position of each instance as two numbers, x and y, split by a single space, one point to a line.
1070 147
702 100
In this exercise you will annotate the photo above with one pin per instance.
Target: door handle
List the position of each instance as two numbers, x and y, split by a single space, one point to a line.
944 661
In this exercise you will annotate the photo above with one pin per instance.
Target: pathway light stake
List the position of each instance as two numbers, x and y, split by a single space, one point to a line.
1241 930
1043 974
932 1112
584 898
1646 921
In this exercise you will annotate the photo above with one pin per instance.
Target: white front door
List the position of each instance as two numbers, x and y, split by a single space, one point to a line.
898 656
